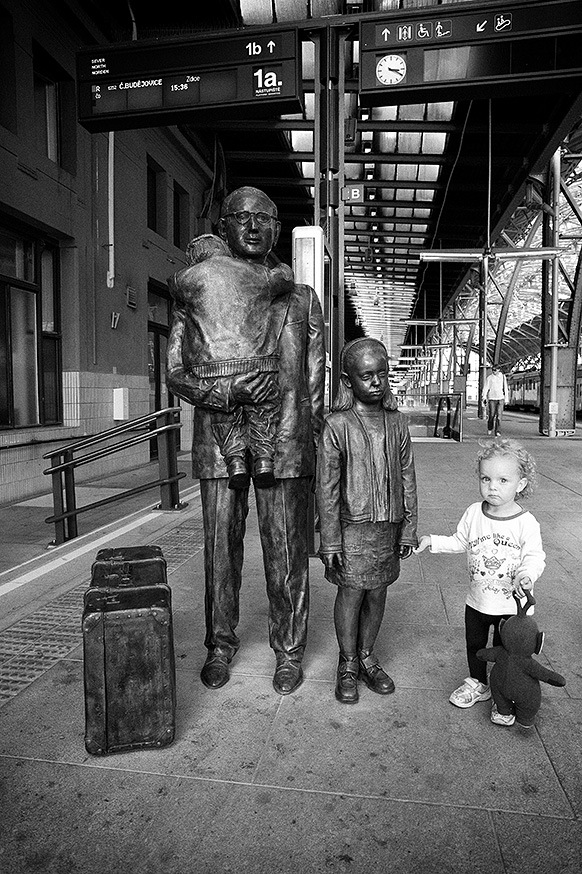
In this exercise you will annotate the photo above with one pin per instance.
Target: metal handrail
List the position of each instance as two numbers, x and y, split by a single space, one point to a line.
133 425
109 450
64 464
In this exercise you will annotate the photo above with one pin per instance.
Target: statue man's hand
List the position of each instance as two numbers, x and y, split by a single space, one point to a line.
404 551
252 388
332 558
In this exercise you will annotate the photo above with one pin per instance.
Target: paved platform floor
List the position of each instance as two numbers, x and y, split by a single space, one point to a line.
264 784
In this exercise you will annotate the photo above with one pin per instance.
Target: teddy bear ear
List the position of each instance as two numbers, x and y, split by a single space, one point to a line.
539 642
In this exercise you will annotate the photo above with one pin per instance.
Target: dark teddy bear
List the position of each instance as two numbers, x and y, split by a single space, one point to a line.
515 676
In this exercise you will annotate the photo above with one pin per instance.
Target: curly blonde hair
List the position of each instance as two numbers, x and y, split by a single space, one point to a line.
512 449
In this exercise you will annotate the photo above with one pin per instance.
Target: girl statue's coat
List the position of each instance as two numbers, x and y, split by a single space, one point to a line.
345 492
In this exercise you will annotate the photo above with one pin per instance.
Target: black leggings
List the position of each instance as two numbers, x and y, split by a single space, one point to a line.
477 627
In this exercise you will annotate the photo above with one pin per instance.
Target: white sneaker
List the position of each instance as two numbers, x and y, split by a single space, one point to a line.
500 718
469 693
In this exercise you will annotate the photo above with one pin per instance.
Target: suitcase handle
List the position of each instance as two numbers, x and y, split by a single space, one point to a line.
115 599
122 574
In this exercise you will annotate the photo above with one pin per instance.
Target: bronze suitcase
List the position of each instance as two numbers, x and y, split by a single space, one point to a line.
128 649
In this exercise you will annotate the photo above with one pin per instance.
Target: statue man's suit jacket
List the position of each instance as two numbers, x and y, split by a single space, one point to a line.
301 381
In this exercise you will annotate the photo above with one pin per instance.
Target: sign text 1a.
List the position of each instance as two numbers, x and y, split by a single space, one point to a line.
267 79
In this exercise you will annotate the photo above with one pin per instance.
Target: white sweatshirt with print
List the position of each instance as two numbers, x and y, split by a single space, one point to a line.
500 553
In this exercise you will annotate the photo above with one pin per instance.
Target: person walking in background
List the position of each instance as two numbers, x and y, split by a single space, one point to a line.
367 503
495 395
504 551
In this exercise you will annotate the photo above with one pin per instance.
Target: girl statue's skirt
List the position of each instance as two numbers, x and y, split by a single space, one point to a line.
370 555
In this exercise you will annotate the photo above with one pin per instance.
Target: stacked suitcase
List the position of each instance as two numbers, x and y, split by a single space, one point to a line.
129 674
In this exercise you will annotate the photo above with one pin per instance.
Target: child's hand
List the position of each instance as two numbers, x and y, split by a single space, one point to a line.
423 543
404 551
522 586
332 558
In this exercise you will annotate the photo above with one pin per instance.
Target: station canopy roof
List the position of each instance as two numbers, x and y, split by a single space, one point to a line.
435 174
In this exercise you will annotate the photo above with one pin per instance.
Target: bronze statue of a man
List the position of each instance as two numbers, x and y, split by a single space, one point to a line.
250 228
231 327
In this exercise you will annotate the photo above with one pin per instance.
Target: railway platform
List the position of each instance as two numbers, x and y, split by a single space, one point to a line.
398 784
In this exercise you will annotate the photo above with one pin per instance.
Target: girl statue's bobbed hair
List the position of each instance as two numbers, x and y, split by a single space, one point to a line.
344 399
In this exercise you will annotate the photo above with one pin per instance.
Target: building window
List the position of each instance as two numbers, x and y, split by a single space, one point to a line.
47 116
181 217
7 73
54 111
30 339
156 199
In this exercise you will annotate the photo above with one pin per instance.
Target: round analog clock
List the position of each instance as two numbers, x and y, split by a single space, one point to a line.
391 69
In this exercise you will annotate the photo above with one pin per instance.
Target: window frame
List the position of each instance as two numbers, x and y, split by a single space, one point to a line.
181 216
49 410
156 197
49 128
55 119
8 116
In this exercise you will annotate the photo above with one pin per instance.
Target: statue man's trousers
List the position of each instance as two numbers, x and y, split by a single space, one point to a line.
282 514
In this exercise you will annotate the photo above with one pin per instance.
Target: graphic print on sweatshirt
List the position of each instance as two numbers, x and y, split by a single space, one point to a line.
493 562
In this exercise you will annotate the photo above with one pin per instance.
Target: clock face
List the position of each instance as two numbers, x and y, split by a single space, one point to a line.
391 69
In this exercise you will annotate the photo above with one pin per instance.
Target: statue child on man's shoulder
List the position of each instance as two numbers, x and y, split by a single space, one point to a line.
224 300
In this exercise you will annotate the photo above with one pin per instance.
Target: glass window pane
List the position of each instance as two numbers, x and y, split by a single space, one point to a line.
440 111
434 143
50 381
47 281
158 308
409 143
24 363
181 216
353 171
4 362
40 112
428 173
46 115
387 141
16 257
163 347
52 121
152 191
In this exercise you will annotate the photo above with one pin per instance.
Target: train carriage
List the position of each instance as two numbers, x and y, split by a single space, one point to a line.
524 390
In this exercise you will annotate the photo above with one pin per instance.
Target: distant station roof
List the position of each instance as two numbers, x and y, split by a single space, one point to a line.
449 172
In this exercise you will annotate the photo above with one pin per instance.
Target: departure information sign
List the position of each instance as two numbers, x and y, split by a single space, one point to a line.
141 84
446 48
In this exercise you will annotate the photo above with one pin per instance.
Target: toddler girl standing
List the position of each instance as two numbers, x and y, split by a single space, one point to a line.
504 552
367 504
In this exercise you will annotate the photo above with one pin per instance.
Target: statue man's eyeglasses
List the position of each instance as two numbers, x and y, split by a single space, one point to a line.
244 216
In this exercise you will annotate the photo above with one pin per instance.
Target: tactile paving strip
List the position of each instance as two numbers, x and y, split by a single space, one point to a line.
36 643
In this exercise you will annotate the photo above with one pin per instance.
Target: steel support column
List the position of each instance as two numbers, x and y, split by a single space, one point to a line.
558 372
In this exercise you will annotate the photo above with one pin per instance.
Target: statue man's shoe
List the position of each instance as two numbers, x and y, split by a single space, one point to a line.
263 473
238 473
373 676
215 672
346 687
288 677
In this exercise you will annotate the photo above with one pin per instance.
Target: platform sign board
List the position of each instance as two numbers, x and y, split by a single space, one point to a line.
439 51
144 84
353 193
